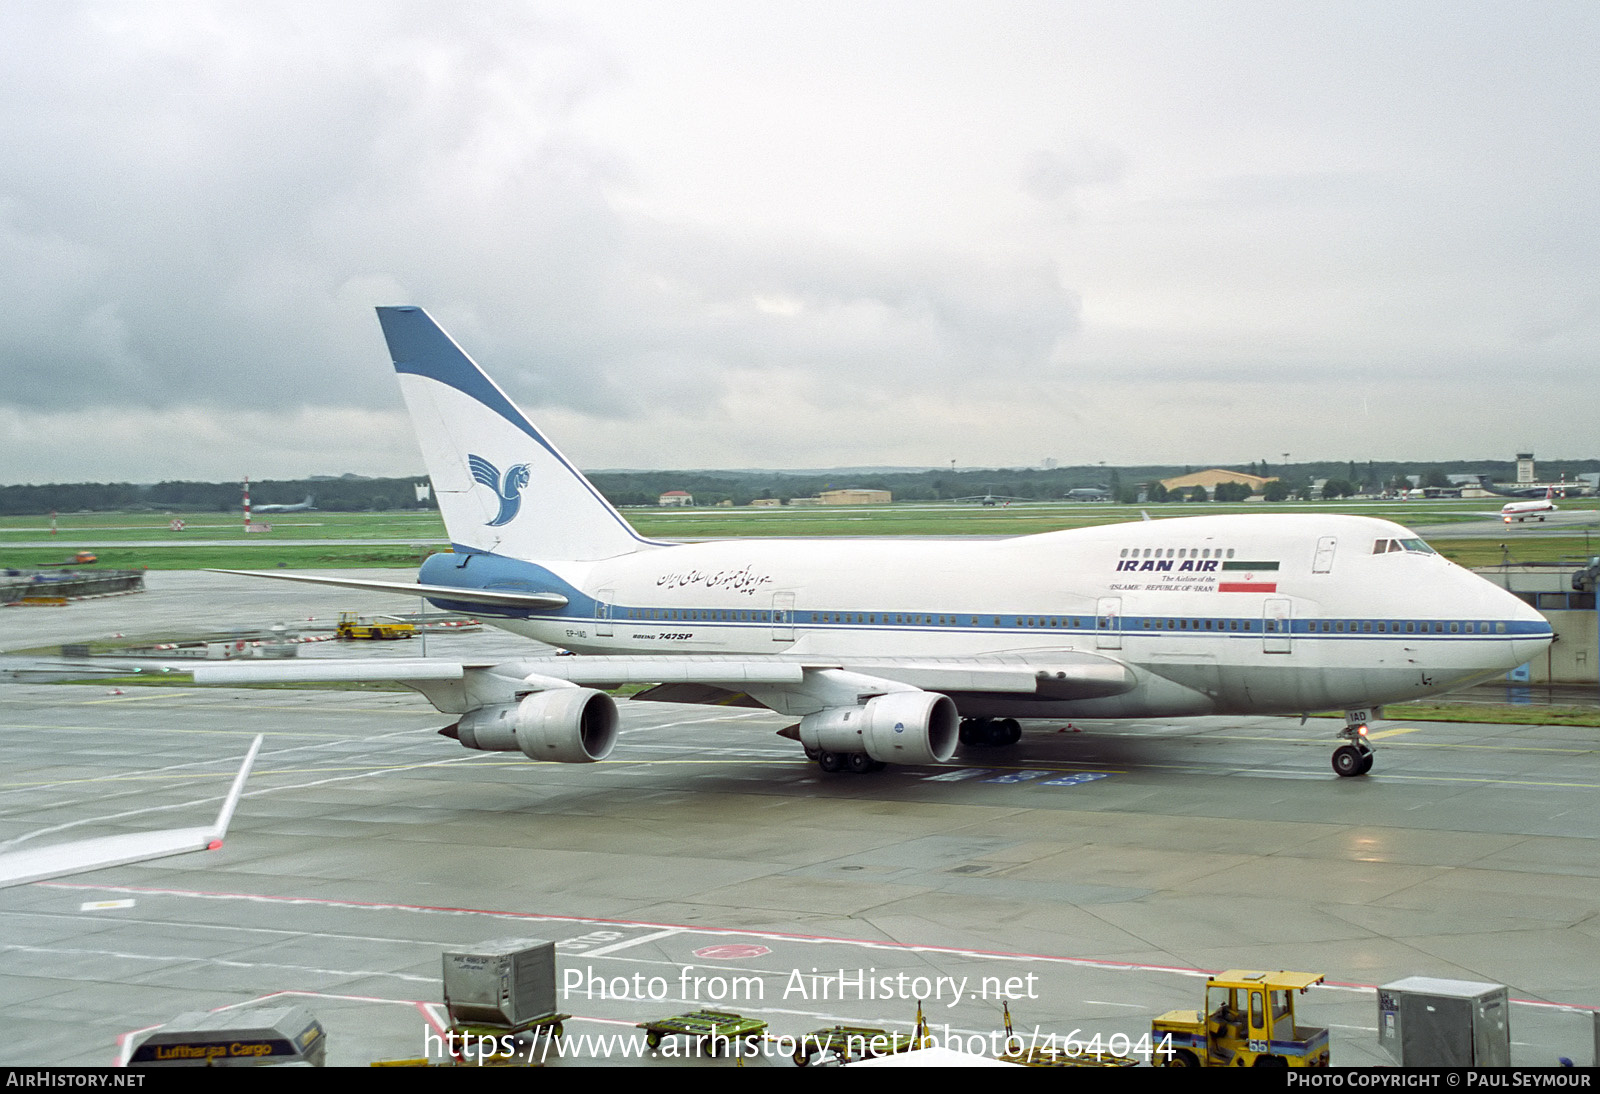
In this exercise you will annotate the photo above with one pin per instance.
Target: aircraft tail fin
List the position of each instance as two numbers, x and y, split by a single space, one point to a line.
502 486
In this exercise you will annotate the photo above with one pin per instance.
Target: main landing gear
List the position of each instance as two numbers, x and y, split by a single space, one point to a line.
1354 758
990 731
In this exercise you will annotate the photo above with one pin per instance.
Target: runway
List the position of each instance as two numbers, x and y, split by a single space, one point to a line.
1096 873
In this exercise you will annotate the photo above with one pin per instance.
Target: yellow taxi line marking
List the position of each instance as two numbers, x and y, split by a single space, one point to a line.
1391 733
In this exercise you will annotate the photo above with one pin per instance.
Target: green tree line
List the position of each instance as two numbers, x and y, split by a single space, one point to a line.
642 488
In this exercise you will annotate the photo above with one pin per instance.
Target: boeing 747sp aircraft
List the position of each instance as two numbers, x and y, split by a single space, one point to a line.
890 651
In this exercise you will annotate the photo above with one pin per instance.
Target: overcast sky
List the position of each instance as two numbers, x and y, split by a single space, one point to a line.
800 235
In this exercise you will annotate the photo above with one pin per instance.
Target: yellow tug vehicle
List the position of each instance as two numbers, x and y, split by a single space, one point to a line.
353 627
1249 1021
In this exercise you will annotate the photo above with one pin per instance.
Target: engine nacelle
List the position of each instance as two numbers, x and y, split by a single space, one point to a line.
565 725
904 727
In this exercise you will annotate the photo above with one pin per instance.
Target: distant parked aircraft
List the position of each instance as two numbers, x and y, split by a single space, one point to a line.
300 508
991 498
1565 489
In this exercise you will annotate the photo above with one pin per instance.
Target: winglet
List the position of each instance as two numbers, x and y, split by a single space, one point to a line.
225 814
97 853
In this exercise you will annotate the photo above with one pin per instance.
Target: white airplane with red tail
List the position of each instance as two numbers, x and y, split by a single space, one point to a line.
1519 511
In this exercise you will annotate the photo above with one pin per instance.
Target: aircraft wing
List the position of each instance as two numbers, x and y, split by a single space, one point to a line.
326 670
80 856
1077 674
498 598
613 672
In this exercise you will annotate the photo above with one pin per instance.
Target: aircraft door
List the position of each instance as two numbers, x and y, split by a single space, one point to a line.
1277 619
1324 560
783 617
602 612
1108 623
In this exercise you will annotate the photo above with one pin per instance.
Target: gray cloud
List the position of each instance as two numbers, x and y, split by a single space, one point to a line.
1050 174
654 225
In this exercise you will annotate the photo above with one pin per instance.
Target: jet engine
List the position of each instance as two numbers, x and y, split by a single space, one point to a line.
906 727
566 725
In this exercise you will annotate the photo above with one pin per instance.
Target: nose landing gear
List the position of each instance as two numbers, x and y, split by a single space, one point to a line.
1354 758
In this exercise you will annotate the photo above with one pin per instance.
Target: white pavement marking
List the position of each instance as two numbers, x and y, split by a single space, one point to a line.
631 942
220 962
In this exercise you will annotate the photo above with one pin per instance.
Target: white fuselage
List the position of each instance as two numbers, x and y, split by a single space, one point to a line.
1212 614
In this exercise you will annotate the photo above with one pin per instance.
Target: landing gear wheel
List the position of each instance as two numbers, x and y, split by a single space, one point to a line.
1355 756
975 731
831 762
860 763
1349 761
1013 731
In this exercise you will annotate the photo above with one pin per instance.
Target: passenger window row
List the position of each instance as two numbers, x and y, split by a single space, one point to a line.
1312 626
1176 552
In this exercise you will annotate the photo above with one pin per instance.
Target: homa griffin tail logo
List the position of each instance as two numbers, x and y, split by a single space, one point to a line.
508 490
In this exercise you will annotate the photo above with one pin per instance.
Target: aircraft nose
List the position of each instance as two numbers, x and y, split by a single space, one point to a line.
1531 632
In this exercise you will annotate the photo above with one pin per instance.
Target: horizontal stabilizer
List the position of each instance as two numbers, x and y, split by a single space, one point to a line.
80 856
490 597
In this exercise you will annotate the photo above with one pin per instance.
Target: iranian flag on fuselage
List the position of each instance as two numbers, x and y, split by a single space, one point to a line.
1248 573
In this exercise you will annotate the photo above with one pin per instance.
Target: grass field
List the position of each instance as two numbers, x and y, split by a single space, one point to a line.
401 539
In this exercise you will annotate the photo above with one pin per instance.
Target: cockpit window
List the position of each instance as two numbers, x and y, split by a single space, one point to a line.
1416 546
